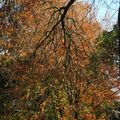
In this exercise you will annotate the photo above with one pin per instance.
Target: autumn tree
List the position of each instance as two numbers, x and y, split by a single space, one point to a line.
49 46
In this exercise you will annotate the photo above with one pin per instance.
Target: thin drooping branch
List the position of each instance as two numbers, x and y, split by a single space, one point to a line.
66 8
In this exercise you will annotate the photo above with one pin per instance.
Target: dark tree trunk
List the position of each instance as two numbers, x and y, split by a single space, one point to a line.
119 36
119 18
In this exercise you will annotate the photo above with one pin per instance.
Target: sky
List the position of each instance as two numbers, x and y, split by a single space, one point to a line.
106 11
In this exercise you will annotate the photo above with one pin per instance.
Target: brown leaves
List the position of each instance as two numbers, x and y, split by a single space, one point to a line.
50 49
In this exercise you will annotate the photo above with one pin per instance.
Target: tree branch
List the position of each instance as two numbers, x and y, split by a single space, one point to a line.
66 8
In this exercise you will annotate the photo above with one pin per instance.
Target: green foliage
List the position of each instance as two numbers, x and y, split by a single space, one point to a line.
108 46
51 112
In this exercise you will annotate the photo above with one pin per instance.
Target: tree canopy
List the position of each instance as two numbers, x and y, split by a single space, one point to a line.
56 62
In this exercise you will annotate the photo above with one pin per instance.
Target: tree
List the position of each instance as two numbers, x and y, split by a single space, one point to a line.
50 46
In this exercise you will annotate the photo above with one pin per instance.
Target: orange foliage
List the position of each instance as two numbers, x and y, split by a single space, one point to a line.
34 22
